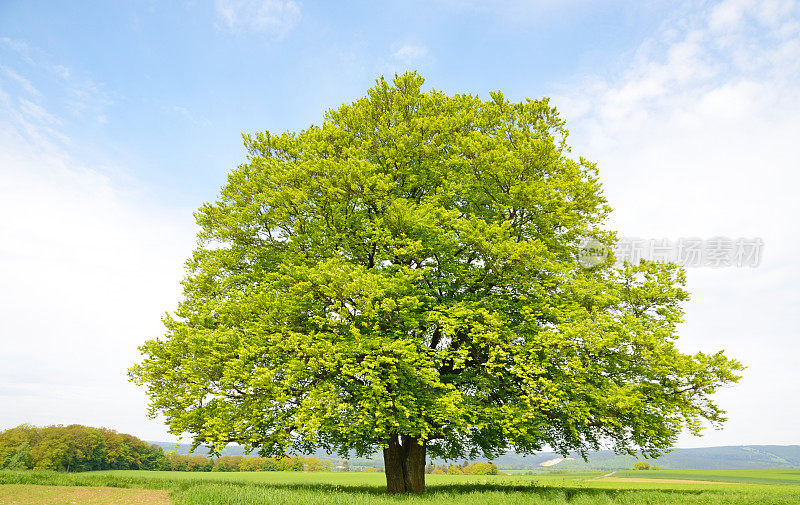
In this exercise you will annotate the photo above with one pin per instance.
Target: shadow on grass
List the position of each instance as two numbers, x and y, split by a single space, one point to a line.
569 490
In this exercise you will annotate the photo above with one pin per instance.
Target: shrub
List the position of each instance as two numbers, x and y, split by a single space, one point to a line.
21 460
480 469
313 464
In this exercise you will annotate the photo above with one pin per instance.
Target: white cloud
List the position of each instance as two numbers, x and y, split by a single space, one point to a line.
186 114
404 57
410 54
697 136
88 266
86 98
19 47
37 113
24 83
276 17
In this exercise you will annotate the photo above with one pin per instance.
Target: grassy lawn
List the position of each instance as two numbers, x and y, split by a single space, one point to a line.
735 487
771 476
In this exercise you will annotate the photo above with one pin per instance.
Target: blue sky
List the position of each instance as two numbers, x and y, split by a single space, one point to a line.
162 78
117 120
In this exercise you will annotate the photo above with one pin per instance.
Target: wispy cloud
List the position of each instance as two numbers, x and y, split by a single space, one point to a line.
86 97
410 54
185 114
82 96
18 47
24 83
275 17
403 57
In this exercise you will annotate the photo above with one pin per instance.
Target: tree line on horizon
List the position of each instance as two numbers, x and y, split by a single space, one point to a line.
77 448
199 463
465 468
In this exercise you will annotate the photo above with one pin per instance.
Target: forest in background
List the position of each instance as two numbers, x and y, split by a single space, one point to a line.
77 448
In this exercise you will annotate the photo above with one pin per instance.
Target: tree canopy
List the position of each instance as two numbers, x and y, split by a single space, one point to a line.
77 448
405 277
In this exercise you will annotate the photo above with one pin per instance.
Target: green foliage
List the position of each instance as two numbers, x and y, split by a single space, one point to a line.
641 465
11 440
226 463
198 463
269 465
474 494
478 468
76 448
410 267
21 460
486 468
355 488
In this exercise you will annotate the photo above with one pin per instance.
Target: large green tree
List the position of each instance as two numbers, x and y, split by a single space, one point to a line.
405 277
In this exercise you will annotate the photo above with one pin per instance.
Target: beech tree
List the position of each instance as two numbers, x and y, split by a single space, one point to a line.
405 278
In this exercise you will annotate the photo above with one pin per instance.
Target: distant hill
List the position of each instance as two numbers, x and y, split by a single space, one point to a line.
739 456
736 456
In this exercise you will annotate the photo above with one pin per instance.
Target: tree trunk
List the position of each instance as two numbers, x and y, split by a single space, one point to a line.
405 465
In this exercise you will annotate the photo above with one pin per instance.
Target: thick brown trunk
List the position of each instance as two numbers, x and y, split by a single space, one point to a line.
393 465
404 461
415 465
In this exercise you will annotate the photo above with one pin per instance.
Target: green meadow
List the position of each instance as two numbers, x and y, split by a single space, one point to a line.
667 487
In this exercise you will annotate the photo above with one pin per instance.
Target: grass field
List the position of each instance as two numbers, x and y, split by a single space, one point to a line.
747 476
665 487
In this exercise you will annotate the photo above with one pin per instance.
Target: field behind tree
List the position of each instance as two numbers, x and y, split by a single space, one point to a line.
736 487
